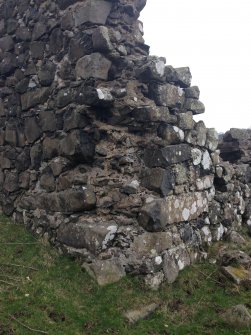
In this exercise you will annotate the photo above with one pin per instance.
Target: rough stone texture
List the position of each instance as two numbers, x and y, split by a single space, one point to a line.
99 150
237 316
157 214
141 313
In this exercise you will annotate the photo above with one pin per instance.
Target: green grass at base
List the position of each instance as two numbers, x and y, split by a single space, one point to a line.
59 298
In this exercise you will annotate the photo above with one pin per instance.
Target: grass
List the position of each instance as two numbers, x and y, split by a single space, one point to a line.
50 293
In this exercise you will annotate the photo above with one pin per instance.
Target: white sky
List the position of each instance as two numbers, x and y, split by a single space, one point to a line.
213 38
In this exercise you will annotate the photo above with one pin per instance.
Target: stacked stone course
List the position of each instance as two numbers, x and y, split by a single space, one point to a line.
99 152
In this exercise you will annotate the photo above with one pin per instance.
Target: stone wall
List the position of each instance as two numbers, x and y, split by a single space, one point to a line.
99 152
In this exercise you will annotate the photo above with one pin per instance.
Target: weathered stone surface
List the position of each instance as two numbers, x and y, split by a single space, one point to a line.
153 281
48 120
39 30
79 146
192 92
8 63
186 121
94 65
46 74
154 69
6 43
159 180
140 314
195 106
159 213
239 275
93 236
237 316
91 11
101 39
33 98
167 156
151 244
32 130
105 271
168 95
171 134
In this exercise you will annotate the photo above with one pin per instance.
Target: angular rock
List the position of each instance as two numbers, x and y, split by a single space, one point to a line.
48 120
35 97
192 92
167 156
238 317
151 244
32 130
78 146
6 43
142 313
154 69
186 121
171 134
158 180
167 95
95 237
101 39
195 106
157 214
239 275
93 66
93 11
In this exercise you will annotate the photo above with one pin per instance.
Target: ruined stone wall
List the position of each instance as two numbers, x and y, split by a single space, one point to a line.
99 152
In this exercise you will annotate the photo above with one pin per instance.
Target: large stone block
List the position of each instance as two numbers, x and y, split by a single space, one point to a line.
93 66
95 237
159 180
93 11
167 156
157 214
195 106
35 97
167 95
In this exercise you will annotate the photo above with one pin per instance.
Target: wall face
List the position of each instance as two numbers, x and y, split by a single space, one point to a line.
99 152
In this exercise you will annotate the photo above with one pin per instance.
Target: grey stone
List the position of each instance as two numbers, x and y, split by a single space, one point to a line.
64 97
157 214
159 180
47 181
153 69
75 119
153 281
38 31
239 275
106 271
151 244
34 98
171 134
95 237
170 268
51 148
195 106
167 156
23 34
212 140
101 39
11 182
237 316
192 92
6 43
186 121
94 65
48 120
167 95
32 130
182 76
46 74
79 146
63 4
91 11
133 316
8 63
37 49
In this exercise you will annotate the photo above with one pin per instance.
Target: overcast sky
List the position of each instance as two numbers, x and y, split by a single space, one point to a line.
213 38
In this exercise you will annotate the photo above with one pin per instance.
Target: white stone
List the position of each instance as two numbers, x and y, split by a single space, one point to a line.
197 156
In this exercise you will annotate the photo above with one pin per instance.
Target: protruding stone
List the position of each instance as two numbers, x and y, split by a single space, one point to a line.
93 11
167 156
33 98
167 95
159 213
159 180
106 271
95 237
93 66
195 106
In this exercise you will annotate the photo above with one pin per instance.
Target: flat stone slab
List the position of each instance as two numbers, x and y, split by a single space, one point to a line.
240 275
105 271
159 213
136 315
